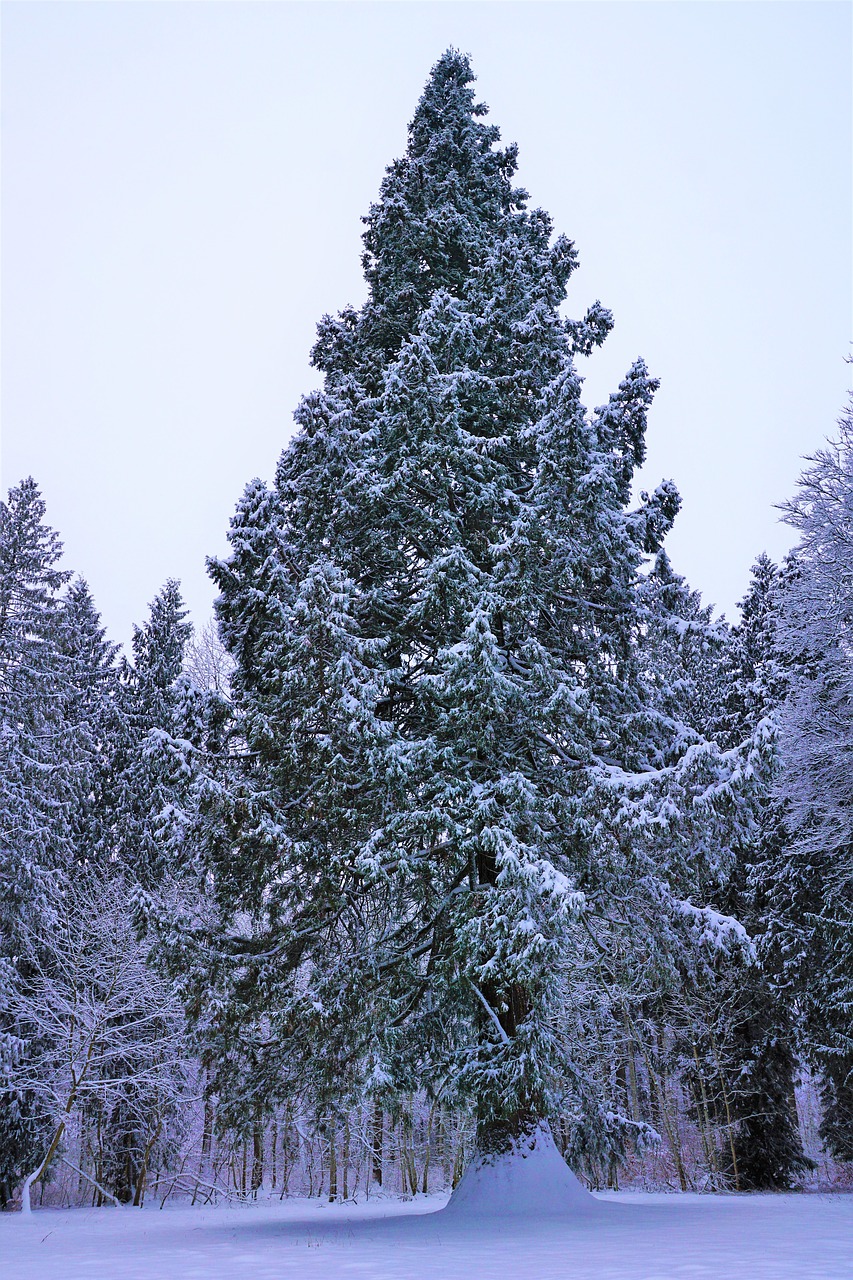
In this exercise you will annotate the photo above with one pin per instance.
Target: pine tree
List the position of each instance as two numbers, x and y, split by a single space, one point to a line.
435 616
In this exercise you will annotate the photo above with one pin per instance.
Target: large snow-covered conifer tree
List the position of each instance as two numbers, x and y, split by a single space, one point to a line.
448 762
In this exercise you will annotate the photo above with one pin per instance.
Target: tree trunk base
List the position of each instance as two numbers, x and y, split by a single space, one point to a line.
519 1172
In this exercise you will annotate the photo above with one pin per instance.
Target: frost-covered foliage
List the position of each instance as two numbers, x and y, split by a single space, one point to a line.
57 713
757 1037
33 844
454 773
146 782
814 881
106 1033
73 797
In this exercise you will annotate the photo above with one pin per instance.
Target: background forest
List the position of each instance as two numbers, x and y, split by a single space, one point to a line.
466 809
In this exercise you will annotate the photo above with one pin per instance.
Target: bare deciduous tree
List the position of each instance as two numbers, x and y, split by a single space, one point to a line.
104 1027
208 662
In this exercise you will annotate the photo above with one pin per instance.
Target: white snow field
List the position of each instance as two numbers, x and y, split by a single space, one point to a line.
626 1236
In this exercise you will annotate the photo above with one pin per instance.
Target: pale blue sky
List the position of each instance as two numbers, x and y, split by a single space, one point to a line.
182 191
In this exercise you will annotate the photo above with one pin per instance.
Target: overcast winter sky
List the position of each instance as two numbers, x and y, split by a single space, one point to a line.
182 191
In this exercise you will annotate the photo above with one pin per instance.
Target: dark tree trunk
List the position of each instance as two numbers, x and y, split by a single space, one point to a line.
497 1135
257 1157
377 1144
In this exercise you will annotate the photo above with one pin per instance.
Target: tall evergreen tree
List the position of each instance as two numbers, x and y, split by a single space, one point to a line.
435 616
759 1039
144 785
90 708
60 716
814 882
34 836
32 676
79 793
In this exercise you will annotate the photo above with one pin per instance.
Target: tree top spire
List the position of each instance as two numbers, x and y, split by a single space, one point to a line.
441 208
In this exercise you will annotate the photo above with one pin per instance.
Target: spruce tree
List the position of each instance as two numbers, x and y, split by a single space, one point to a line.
441 719
144 783
90 707
759 1041
32 677
34 780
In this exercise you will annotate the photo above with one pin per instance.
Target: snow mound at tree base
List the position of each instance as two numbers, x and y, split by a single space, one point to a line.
531 1180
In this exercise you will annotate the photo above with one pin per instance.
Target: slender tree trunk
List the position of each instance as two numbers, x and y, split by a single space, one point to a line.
207 1131
706 1127
346 1158
428 1156
445 1147
729 1124
458 1163
26 1206
655 1083
81 1154
286 1161
333 1164
408 1171
378 1126
143 1169
101 1162
633 1091
663 1108
257 1156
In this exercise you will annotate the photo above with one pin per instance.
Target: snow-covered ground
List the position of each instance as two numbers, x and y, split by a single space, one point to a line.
629 1236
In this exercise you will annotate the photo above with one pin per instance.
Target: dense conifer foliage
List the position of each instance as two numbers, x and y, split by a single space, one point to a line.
34 834
760 1037
454 780
77 804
